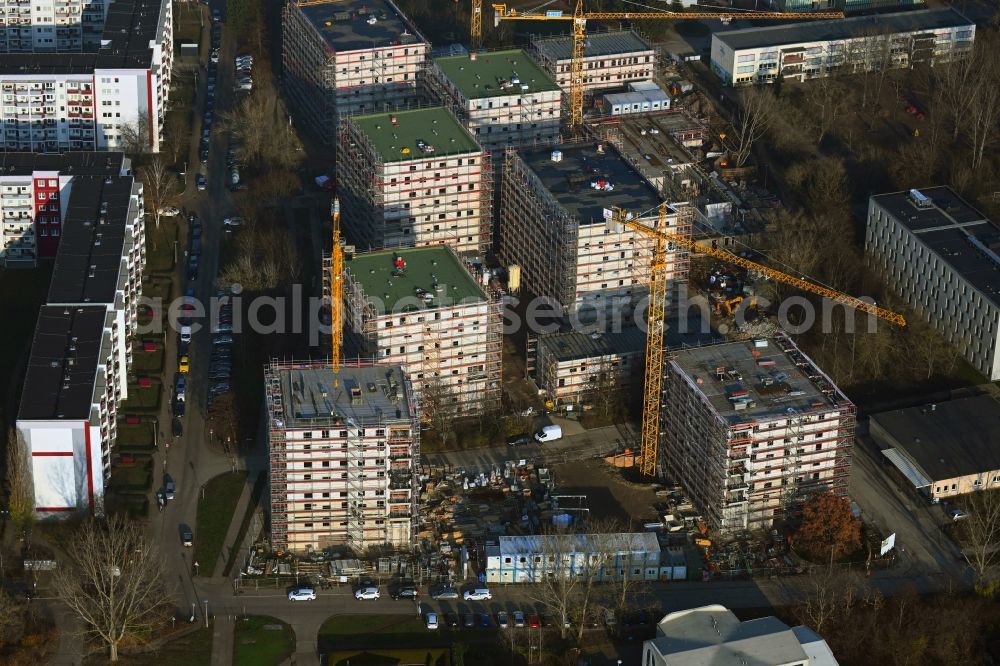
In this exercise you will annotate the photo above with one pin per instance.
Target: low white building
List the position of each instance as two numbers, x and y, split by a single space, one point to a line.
642 97
714 635
527 559
800 51
942 256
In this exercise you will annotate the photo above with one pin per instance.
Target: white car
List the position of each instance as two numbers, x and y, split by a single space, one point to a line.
367 594
478 594
169 211
233 222
302 594
432 620
958 514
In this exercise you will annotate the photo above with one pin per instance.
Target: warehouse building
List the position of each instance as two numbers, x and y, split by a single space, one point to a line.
553 227
502 97
941 256
36 190
47 25
350 57
752 429
412 179
423 310
800 51
714 635
88 100
75 378
532 558
944 449
342 450
610 59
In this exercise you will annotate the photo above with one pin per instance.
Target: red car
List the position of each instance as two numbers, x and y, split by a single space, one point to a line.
534 622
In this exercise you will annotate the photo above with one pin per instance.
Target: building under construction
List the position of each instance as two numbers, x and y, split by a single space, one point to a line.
751 429
342 451
423 309
412 179
503 97
347 57
553 225
610 59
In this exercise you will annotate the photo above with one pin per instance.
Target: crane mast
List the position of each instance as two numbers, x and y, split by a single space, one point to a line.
336 291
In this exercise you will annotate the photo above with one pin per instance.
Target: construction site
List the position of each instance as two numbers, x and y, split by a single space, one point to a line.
412 179
427 311
343 446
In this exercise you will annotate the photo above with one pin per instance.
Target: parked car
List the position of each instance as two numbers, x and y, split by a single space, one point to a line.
484 620
222 340
187 538
184 365
549 433
168 486
431 620
367 594
519 440
477 594
178 408
958 514
444 592
469 621
176 427
502 619
518 619
302 594
406 592
451 620
169 211
609 617
202 182
233 222
534 621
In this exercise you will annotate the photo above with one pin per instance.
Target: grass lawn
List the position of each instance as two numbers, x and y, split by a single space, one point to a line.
374 632
215 512
160 246
137 477
194 649
262 641
427 656
143 399
23 291
188 24
135 435
147 363
258 491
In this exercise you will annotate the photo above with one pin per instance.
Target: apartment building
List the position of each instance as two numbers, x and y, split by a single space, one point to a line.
846 6
342 452
610 59
412 179
51 25
533 558
800 51
423 310
34 191
56 101
713 634
751 429
573 367
502 97
941 256
553 226
350 57
75 378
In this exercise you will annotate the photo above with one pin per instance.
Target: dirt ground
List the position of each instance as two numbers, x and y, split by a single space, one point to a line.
609 494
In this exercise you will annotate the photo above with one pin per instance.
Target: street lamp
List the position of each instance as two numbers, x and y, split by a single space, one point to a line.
205 601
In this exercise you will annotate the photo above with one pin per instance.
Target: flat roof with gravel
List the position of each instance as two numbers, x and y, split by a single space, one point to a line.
398 136
480 75
433 271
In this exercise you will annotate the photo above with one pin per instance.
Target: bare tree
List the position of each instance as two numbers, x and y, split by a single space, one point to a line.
261 127
159 188
624 552
134 136
20 487
984 111
266 258
956 85
869 56
555 580
112 580
829 594
749 124
438 406
981 532
826 96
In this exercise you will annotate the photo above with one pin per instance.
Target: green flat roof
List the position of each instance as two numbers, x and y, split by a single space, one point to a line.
374 271
481 77
435 126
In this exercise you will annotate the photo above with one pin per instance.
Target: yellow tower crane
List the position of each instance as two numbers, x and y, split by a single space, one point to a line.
664 241
579 18
336 291
476 29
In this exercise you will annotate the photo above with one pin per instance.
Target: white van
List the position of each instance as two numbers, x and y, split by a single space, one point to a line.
477 594
185 334
549 433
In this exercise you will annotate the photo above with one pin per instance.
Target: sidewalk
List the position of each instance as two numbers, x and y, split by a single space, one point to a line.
223 631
